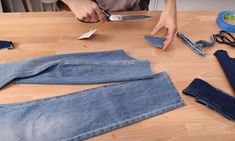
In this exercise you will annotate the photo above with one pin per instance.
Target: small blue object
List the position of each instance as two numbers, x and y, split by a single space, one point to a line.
223 24
6 44
155 41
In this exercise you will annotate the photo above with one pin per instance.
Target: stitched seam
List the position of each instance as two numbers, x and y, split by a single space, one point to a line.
158 111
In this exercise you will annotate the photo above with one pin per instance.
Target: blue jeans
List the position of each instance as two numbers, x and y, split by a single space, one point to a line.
85 114
78 68
81 115
228 66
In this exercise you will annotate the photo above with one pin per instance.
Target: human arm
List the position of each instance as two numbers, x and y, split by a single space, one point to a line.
168 19
85 10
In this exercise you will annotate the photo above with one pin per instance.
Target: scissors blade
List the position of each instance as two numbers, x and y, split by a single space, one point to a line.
114 18
134 17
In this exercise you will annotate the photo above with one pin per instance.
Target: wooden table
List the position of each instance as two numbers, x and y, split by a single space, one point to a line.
42 34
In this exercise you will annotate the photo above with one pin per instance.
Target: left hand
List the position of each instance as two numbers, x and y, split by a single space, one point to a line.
169 21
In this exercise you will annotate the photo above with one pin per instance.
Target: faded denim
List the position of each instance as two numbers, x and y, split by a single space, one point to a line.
85 114
78 68
212 97
155 41
228 65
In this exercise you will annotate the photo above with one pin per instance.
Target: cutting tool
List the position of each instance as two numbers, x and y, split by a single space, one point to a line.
225 37
114 18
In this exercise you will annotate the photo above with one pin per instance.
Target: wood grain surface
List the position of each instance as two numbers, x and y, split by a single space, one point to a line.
42 34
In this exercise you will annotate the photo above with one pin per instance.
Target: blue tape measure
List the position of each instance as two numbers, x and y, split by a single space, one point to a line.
223 24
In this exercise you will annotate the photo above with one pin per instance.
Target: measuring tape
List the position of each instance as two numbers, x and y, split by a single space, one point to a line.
223 24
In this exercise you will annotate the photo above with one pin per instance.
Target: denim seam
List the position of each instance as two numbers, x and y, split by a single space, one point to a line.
226 113
178 100
173 86
136 119
198 96
104 62
158 76
32 72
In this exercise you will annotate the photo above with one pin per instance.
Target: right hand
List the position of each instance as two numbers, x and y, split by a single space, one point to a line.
85 10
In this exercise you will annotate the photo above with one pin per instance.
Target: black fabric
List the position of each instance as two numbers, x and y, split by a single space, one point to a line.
144 4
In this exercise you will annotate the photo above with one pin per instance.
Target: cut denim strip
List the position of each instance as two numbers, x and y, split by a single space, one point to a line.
212 97
80 68
85 114
228 66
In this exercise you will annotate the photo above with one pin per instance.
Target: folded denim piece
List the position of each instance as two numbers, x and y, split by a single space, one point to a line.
212 97
228 66
155 41
78 68
88 113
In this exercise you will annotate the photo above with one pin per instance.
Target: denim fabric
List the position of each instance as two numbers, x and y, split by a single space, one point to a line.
6 44
198 46
155 41
80 68
88 113
212 97
228 66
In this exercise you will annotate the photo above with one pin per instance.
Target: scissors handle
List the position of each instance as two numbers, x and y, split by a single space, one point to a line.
102 10
225 38
105 13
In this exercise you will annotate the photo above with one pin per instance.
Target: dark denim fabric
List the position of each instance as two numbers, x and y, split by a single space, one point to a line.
228 66
78 68
212 97
88 113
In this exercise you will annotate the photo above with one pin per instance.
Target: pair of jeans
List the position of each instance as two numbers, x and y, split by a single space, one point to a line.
77 68
82 115
137 95
212 97
228 65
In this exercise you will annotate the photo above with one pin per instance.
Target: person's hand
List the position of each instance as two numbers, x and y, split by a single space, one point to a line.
167 20
85 10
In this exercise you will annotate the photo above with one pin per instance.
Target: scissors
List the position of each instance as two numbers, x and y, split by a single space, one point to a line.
115 17
225 37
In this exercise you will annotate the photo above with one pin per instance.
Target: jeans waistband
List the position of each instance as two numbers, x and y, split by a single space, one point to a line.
212 97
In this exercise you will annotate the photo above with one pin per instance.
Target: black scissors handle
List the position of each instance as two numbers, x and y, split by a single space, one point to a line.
225 37
102 10
106 14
